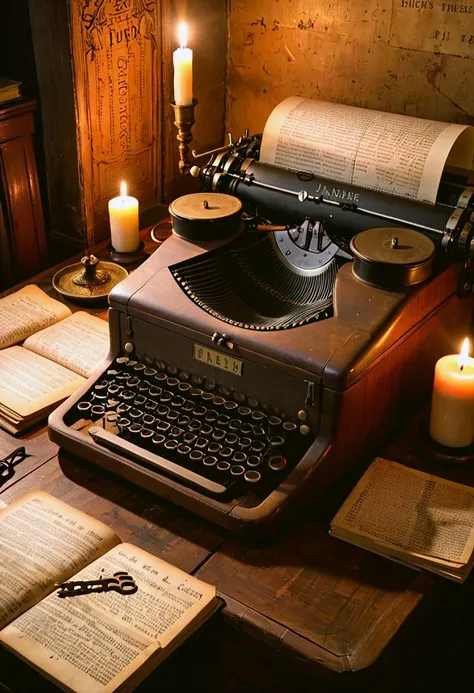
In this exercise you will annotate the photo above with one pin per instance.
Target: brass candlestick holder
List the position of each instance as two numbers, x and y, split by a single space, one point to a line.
184 121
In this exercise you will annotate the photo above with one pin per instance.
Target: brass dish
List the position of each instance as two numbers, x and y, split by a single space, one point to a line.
89 279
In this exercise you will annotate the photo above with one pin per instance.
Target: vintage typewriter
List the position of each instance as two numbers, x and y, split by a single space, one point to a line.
278 334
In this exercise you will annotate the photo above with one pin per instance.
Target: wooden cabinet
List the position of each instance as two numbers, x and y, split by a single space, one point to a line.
22 234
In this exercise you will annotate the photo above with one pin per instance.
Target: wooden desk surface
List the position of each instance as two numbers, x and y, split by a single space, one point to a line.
303 608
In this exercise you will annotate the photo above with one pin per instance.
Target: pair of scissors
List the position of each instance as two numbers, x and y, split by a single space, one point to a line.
120 582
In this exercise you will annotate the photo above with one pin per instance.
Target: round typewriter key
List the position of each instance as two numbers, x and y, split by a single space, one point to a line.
161 378
209 385
183 420
172 370
97 410
277 463
223 466
112 404
162 410
139 367
135 414
148 420
277 442
123 408
259 432
172 415
131 363
237 470
160 365
184 389
163 426
239 397
289 427
252 476
123 423
171 445
184 375
196 380
149 372
133 381
207 398
144 386
122 377
158 440
195 393
244 412
258 416
226 453
84 406
195 455
239 457
114 389
235 424
253 461
122 359
166 397
177 402
274 423
224 391
139 400
102 385
206 430
213 448
201 443
176 432
172 383
111 417
218 401
231 407
258 446
223 420
188 406
245 443
183 449
134 429
199 411
150 405
209 461
155 391
246 429
211 416
194 425
146 434
252 402
218 434
231 439
189 438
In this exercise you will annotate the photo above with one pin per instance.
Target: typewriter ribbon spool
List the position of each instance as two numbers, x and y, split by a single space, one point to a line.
206 216
392 258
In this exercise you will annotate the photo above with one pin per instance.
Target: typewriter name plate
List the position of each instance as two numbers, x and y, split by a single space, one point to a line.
217 359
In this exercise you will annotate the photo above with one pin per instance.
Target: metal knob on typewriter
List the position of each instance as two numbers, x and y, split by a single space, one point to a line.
206 216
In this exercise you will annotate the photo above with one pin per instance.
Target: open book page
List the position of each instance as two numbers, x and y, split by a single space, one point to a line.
396 154
43 541
411 511
92 643
27 311
30 382
80 343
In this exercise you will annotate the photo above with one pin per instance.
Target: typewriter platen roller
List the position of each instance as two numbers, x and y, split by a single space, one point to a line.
247 372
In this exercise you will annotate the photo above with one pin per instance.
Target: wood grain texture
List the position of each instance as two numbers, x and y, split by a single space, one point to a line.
338 51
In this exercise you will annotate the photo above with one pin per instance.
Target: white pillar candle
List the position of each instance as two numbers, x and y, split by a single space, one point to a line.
124 228
183 70
452 407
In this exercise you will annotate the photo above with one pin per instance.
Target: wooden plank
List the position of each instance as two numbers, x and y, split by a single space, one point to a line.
138 517
40 449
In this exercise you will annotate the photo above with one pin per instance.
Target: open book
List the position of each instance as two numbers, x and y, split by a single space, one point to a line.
396 154
52 362
414 518
93 643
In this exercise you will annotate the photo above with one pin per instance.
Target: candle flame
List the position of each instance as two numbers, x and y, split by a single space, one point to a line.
123 189
182 34
464 355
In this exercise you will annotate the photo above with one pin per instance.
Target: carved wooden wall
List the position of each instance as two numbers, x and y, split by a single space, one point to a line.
405 56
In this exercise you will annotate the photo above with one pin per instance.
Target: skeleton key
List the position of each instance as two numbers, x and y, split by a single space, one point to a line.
120 582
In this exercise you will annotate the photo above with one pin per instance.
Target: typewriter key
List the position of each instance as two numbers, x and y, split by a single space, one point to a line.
231 439
196 380
161 378
253 461
150 405
123 408
166 397
252 476
149 372
173 415
101 386
258 446
123 423
161 366
245 443
239 397
122 377
224 391
246 429
223 420
223 466
183 420
277 463
144 386
131 364
277 442
184 389
134 429
184 375
211 416
146 434
239 457
97 410
218 434
162 411
226 453
135 414
213 448
274 423
172 383
244 412
163 426
218 402
139 367
177 402
237 470
158 440
172 370
122 359
289 427
209 461
139 400
114 389
201 443
148 420
199 411
133 382
207 398
176 432
99 397
231 407
196 455
112 404
189 438
84 406
183 449
259 432
127 395
206 430
209 385
111 373
155 391
253 403
195 393
171 445
235 424
258 416
194 425
188 406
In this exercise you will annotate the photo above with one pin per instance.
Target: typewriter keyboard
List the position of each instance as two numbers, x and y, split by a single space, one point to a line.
222 443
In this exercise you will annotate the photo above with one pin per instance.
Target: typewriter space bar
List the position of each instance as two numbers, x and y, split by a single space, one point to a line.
113 442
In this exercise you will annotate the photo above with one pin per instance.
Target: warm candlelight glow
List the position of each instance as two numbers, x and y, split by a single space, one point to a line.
182 34
464 355
123 189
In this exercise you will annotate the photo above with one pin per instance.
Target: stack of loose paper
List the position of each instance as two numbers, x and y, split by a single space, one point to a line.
411 517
